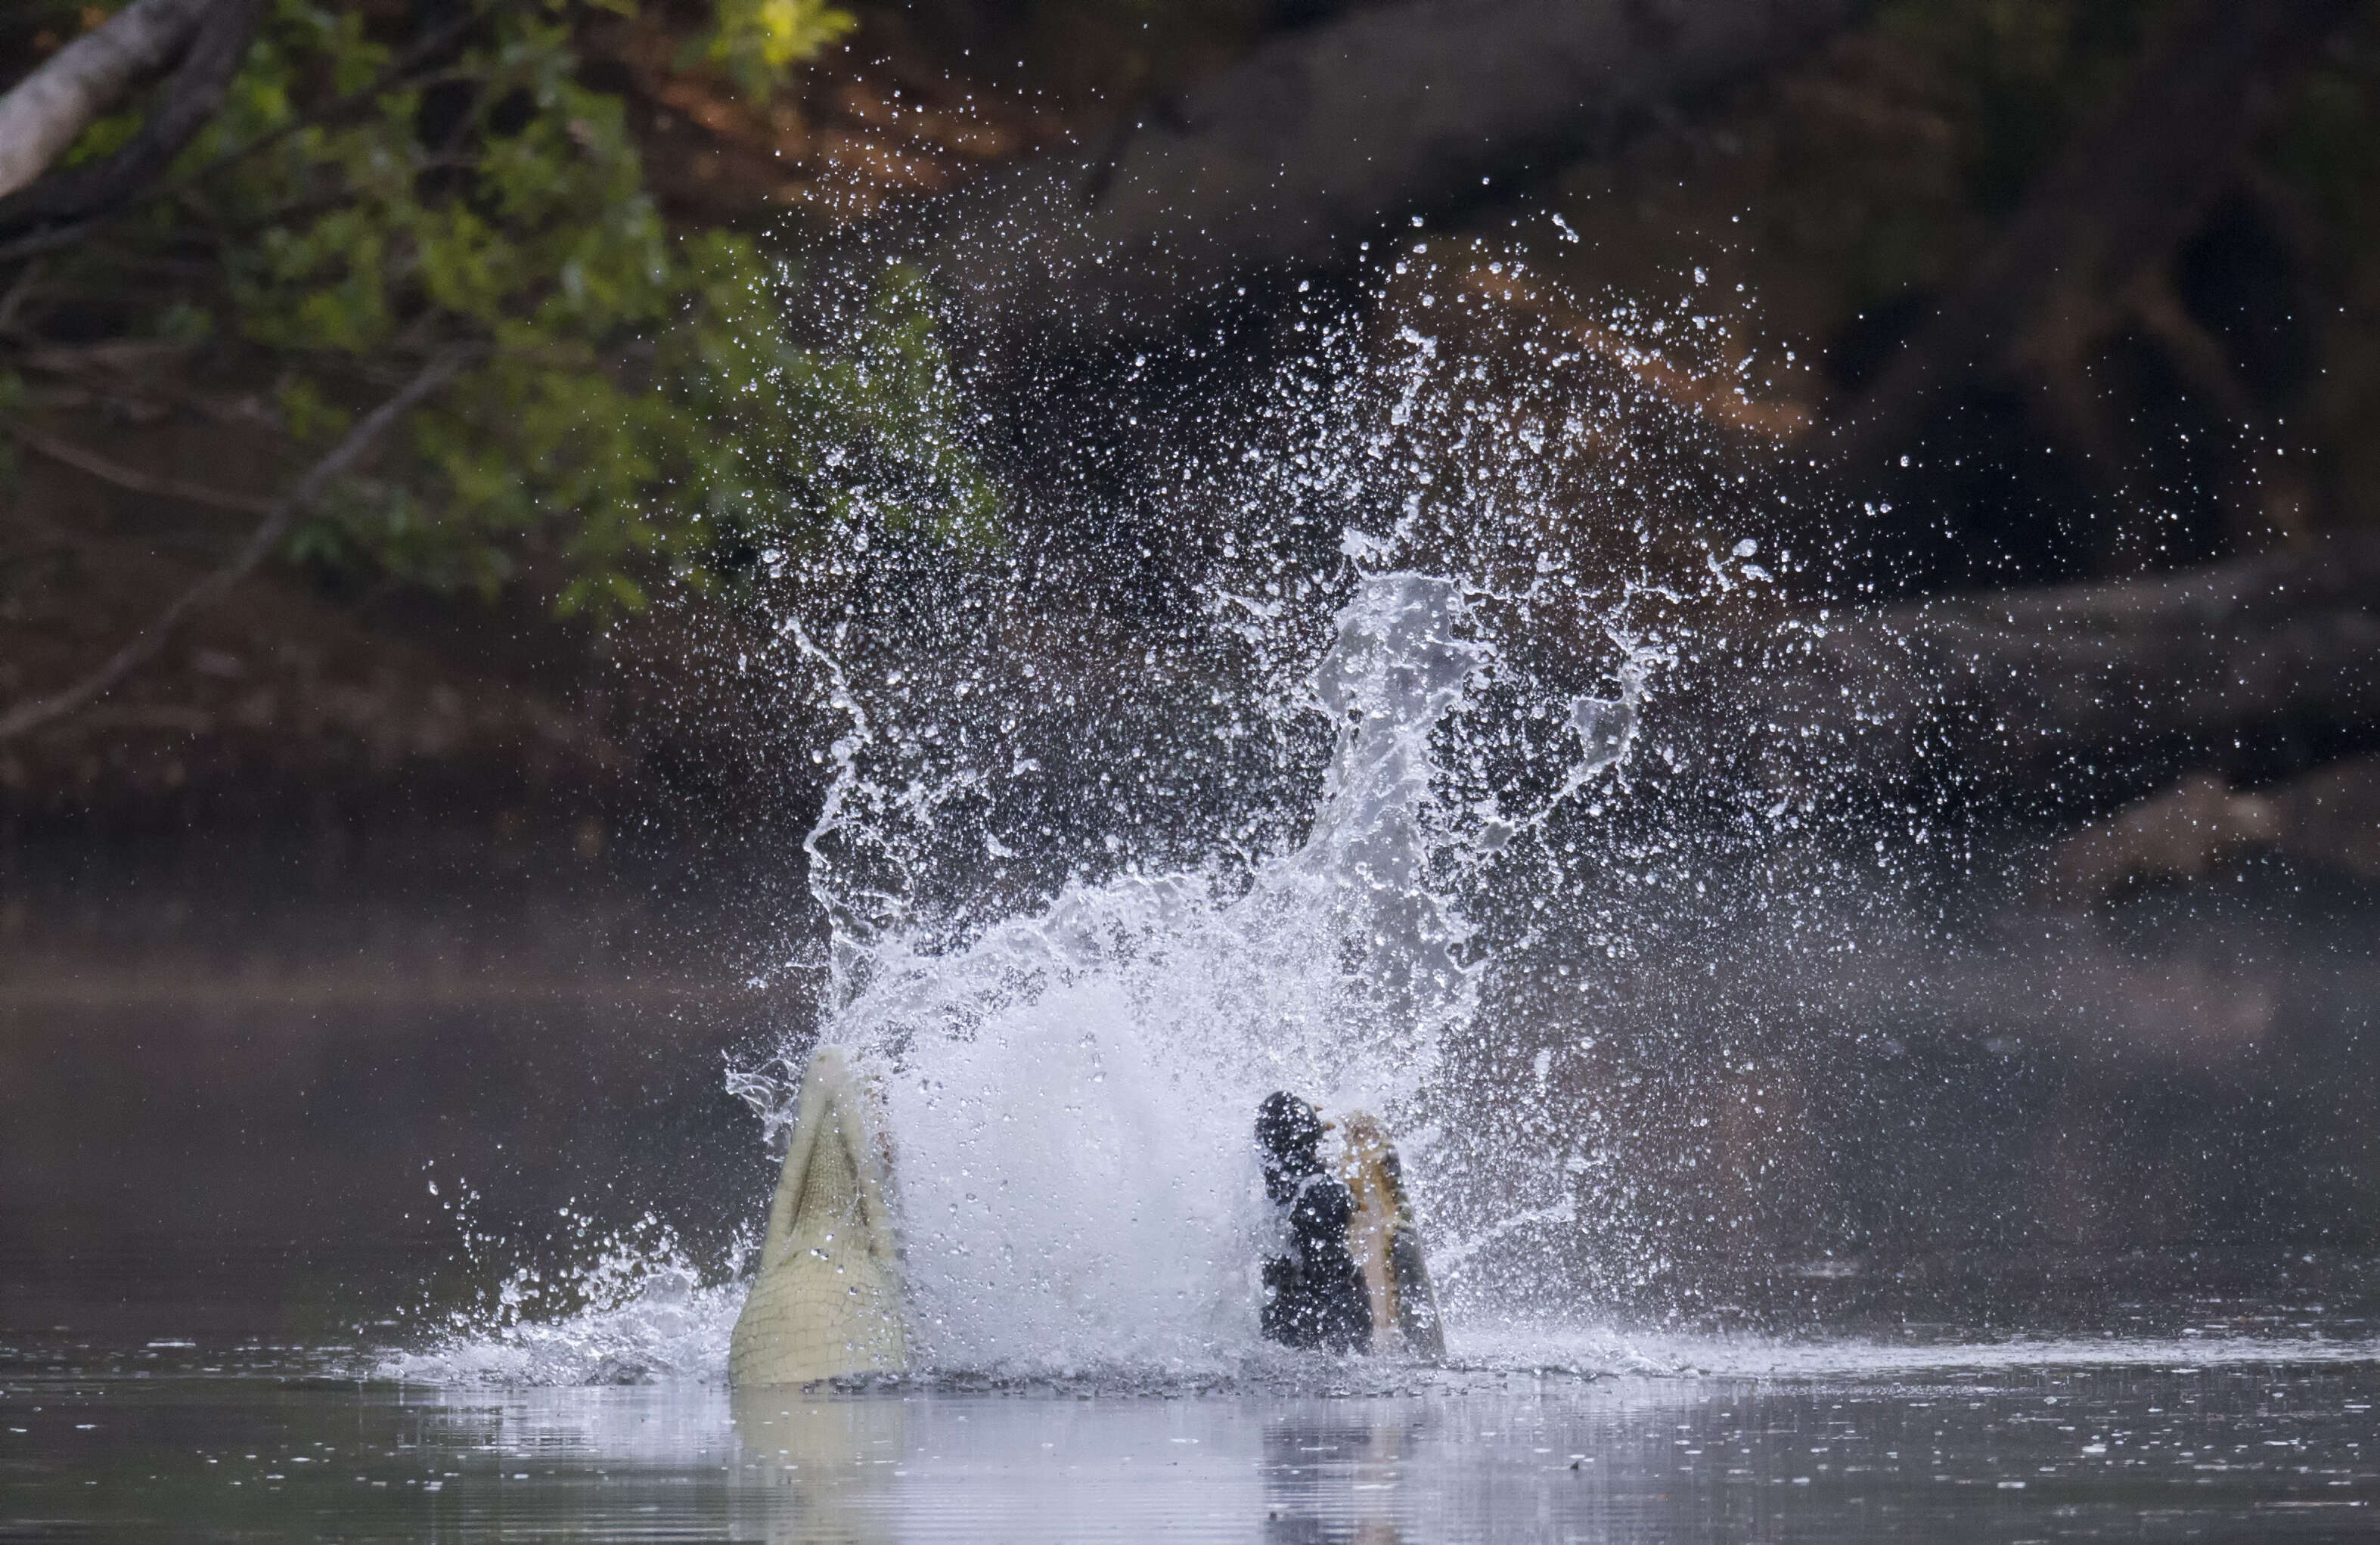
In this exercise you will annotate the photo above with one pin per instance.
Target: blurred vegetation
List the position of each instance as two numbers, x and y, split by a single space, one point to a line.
607 202
379 188
387 181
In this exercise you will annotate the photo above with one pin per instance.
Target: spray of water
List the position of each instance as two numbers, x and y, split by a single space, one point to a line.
622 1305
1070 1090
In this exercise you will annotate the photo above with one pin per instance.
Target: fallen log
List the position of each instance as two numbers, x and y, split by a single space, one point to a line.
2089 691
2328 818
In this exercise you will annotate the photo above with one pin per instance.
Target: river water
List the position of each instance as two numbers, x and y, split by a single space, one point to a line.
2203 1438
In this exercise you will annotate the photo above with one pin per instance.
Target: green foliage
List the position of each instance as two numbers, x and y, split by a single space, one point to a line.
640 410
754 41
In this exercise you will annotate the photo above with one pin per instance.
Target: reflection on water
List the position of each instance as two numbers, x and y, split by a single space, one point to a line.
2169 1444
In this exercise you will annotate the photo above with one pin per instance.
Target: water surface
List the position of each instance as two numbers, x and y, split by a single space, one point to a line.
2163 1440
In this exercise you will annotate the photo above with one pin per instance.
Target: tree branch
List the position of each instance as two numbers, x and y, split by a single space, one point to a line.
22 286
49 109
268 535
72 199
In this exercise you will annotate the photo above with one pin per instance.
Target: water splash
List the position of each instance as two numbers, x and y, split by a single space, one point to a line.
635 1309
1069 1090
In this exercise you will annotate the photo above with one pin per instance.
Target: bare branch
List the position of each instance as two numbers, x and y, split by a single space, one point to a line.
268 535
23 286
49 109
124 476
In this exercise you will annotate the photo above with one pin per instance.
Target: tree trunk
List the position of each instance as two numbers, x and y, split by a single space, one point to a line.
56 209
49 109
